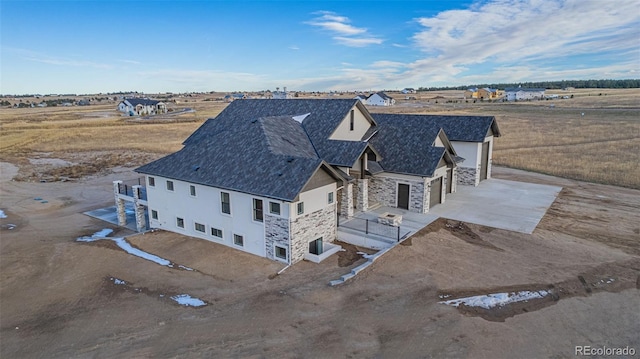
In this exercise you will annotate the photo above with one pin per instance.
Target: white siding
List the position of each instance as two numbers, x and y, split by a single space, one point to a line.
361 125
470 151
314 200
205 208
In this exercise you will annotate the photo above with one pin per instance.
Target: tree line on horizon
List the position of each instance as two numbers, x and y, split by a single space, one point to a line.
549 85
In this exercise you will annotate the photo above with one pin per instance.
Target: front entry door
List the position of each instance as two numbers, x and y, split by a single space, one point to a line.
403 195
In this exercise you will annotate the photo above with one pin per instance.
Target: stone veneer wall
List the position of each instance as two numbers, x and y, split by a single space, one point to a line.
363 194
311 226
276 231
346 207
383 190
468 176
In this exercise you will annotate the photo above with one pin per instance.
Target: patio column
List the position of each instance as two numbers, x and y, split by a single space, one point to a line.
122 215
141 222
346 207
363 194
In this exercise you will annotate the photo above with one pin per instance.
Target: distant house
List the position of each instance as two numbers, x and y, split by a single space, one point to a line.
408 90
281 95
362 98
380 99
523 93
471 93
141 106
235 96
488 94
270 177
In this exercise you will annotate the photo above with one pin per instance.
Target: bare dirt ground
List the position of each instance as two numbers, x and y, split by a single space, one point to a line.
59 299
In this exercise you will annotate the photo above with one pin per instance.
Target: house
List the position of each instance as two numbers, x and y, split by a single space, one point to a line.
362 98
141 106
277 94
233 97
408 90
380 99
523 93
471 136
270 177
471 93
488 94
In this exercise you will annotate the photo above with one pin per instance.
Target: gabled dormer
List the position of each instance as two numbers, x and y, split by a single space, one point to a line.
354 125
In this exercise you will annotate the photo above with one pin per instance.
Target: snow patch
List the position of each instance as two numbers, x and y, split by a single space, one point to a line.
2 215
126 246
489 301
187 300
118 281
365 255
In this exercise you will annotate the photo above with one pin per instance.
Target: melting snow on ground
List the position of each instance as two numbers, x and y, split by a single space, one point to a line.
126 246
365 255
2 215
187 300
118 281
489 301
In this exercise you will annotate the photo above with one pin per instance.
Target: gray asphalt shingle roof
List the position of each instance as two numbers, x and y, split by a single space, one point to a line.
266 156
406 145
457 128
142 101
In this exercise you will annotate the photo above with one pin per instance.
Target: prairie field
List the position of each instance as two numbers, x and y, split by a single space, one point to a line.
593 136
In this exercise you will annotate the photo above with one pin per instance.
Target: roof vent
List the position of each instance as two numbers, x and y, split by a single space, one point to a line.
279 174
254 120
195 167
290 159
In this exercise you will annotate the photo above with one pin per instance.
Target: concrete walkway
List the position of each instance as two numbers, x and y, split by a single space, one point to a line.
510 205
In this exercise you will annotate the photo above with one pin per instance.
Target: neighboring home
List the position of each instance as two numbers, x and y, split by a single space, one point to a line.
362 98
471 93
380 99
270 177
522 93
141 106
281 95
488 94
408 90
235 96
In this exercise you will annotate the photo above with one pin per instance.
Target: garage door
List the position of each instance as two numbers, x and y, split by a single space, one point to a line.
436 192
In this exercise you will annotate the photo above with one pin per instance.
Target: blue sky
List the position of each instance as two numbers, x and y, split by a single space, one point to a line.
182 46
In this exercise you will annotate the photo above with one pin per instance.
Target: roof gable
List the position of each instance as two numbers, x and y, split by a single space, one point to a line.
457 128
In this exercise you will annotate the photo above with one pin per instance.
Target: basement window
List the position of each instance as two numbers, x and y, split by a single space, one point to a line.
216 232
180 222
238 240
200 227
154 214
281 252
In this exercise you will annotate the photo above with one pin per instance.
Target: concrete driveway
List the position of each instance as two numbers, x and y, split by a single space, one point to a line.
510 205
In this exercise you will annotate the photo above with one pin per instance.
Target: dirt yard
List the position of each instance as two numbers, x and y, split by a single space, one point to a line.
60 298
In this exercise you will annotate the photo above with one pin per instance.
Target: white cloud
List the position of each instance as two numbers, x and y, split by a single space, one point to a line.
344 33
35 56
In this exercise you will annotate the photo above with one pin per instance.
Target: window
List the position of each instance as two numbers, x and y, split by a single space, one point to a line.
200 228
170 185
281 252
152 181
192 190
180 222
315 247
330 197
274 208
300 207
257 210
226 204
154 214
216 232
351 120
238 240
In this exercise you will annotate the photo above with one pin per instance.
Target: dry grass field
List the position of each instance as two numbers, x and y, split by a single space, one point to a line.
593 136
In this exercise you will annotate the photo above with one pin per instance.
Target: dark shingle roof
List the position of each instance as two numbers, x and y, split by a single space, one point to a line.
383 95
142 101
406 145
457 128
324 116
526 89
268 156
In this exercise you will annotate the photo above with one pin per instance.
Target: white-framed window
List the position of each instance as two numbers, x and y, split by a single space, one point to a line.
274 208
300 207
351 120
216 232
200 227
238 240
154 214
169 185
180 222
152 181
330 197
281 252
258 211
225 202
192 190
